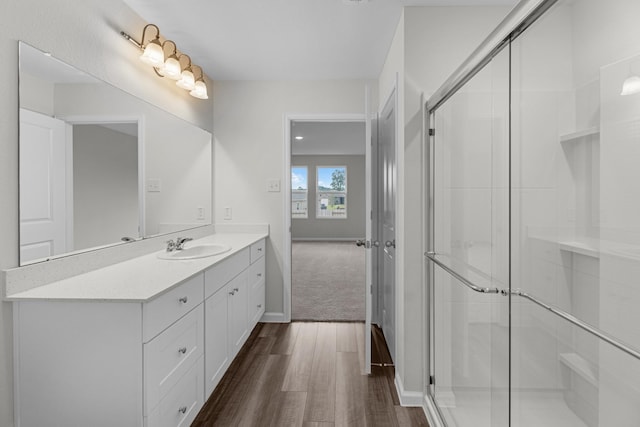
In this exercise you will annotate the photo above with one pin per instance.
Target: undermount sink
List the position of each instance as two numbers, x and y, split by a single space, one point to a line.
198 251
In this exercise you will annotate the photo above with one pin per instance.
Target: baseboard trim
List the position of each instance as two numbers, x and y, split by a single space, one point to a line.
407 398
430 411
326 239
273 318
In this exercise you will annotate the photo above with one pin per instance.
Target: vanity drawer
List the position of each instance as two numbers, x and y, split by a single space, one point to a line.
169 356
161 312
256 305
257 251
256 273
183 402
220 274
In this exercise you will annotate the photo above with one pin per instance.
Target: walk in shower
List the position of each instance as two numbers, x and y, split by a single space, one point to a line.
534 222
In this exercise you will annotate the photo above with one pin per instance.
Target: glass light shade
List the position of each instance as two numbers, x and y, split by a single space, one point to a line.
172 68
631 85
187 81
200 90
153 54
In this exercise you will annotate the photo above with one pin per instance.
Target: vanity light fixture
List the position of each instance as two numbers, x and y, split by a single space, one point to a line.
153 53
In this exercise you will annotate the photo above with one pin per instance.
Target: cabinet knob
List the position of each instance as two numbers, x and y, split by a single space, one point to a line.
183 410
182 350
259 249
259 305
232 292
183 300
259 274
235 290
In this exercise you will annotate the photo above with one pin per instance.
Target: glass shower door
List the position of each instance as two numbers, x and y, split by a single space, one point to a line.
576 216
469 258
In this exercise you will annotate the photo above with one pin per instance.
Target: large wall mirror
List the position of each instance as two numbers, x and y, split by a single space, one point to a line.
99 166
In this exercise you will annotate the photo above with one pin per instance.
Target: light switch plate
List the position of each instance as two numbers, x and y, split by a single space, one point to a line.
200 212
227 213
273 185
154 185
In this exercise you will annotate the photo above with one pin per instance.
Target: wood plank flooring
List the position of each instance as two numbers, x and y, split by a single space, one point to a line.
307 374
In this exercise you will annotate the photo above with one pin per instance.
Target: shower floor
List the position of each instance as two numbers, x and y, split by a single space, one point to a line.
532 409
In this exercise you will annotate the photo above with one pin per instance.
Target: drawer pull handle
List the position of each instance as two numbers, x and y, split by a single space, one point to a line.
182 350
259 249
183 410
259 274
183 300
233 292
259 305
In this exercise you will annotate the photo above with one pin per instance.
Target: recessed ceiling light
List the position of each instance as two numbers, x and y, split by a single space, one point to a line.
299 138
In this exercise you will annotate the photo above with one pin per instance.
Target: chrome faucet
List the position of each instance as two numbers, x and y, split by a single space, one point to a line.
171 245
180 241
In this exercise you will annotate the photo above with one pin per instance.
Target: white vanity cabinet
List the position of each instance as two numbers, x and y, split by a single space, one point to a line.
233 290
102 349
111 363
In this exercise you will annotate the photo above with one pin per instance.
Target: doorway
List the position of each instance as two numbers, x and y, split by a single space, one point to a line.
328 187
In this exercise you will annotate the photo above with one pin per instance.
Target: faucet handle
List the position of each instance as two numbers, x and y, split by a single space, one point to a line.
171 245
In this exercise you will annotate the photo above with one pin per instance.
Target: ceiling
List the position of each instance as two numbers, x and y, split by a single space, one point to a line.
284 39
327 138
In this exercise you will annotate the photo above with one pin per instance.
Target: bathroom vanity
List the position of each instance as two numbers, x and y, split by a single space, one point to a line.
139 343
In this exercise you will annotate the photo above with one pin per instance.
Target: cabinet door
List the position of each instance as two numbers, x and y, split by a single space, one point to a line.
237 290
217 342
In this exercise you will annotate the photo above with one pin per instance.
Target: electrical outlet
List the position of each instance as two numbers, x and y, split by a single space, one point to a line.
199 212
227 213
273 186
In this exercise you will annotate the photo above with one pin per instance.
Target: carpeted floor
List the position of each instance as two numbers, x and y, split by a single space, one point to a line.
328 281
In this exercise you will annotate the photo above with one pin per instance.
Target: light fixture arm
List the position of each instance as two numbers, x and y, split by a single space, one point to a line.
201 73
189 65
144 31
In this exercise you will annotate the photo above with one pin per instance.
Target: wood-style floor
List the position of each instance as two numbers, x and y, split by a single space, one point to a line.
308 374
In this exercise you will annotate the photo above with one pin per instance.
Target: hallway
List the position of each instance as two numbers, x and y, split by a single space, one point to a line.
307 374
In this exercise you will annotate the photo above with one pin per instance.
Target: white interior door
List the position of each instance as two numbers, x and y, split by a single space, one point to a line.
387 141
369 264
42 186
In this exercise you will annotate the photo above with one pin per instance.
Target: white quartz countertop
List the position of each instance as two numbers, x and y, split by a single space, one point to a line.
138 279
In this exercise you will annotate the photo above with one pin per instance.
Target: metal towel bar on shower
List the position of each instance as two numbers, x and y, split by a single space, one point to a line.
431 256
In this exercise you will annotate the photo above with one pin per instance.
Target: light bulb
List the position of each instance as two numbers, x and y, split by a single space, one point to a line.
187 81
631 86
200 90
153 54
172 68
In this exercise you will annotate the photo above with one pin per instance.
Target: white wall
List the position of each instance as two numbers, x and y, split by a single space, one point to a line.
85 34
430 43
249 150
351 227
105 186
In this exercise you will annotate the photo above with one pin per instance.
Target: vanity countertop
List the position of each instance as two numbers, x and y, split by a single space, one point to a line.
138 279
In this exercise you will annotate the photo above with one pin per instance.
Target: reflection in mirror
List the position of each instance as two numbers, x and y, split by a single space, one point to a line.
100 167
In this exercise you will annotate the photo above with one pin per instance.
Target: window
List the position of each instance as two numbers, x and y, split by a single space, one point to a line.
331 194
299 189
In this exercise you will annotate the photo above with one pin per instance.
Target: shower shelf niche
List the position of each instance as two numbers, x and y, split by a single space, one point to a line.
581 366
575 136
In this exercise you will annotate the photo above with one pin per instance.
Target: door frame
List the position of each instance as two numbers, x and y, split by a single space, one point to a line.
139 121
